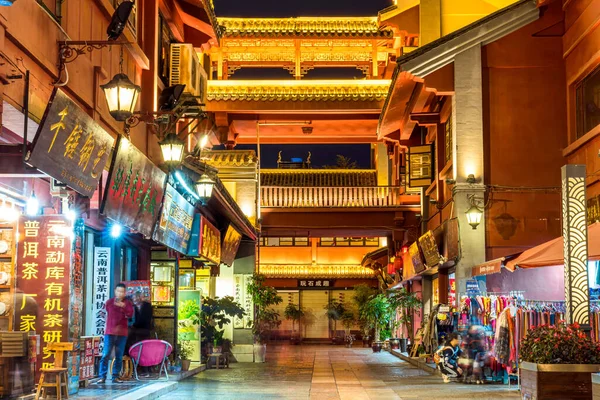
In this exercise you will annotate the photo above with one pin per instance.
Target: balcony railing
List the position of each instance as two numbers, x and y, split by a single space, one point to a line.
347 197
316 271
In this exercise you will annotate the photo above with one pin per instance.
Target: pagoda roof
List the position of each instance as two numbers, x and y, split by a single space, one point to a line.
330 27
318 177
229 158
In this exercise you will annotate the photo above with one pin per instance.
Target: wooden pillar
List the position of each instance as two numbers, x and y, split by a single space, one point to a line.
375 65
220 64
298 68
149 38
443 282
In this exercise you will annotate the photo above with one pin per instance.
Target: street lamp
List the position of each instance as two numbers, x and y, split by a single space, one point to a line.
172 150
204 187
121 96
474 215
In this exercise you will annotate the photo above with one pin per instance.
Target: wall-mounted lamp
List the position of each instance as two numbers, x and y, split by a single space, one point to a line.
121 96
471 179
172 150
116 230
474 215
204 187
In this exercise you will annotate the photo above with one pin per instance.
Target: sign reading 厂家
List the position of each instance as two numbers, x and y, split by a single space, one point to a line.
70 146
43 280
134 190
175 225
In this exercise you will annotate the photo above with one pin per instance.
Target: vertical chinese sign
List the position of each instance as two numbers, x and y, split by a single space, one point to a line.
239 291
100 291
75 304
43 280
248 303
70 146
135 189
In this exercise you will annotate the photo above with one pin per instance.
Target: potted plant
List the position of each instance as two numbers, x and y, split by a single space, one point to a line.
376 313
265 319
408 304
216 313
334 310
348 321
295 314
185 352
362 294
553 358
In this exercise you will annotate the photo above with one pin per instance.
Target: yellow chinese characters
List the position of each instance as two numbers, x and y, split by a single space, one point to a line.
53 305
30 271
58 126
27 323
55 273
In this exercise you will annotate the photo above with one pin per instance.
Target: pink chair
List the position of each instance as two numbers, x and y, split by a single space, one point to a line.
149 353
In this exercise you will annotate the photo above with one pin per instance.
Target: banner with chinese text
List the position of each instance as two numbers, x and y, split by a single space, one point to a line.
175 225
70 146
248 303
238 296
100 289
43 280
135 189
75 305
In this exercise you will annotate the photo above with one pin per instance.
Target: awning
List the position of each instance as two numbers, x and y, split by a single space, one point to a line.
492 266
551 254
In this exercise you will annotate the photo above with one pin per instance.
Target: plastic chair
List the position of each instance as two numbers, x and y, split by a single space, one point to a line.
149 353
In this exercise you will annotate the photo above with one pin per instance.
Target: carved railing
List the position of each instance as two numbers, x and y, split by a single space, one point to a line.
315 271
348 197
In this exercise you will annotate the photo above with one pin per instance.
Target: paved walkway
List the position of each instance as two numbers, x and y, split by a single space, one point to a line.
328 372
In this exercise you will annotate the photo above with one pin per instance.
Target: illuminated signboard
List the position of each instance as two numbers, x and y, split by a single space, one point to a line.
205 241
135 189
43 280
175 225
231 243
70 146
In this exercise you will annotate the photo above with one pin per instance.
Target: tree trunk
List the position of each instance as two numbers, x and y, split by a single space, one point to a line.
377 333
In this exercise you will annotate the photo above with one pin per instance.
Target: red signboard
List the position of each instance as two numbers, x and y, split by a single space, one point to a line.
43 280
135 189
87 354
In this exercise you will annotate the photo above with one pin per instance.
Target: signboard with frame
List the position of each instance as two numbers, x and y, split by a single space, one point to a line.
420 166
70 146
231 244
135 189
174 227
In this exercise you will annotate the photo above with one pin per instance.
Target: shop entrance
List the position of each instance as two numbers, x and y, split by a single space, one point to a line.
313 303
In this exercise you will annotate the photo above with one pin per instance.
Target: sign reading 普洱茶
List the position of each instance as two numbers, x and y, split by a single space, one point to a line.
134 190
70 146
231 243
43 280
175 225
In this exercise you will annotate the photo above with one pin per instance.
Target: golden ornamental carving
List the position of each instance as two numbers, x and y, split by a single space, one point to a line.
362 90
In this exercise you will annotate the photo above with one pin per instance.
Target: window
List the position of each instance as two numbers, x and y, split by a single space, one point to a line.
284 241
587 97
53 7
448 139
349 242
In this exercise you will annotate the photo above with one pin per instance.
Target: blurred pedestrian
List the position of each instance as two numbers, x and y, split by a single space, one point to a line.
447 358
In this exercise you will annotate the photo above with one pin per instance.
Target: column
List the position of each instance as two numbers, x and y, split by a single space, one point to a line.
575 236
467 131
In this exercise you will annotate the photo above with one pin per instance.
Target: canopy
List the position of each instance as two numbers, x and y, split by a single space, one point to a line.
551 253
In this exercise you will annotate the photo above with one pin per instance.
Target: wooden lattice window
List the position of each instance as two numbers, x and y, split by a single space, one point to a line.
588 103
448 139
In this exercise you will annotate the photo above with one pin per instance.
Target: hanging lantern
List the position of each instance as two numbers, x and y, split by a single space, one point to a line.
204 187
121 96
172 149
474 215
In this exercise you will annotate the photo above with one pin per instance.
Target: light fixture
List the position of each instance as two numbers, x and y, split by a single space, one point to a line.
203 142
33 205
169 97
471 179
474 215
172 149
116 230
204 187
404 249
121 96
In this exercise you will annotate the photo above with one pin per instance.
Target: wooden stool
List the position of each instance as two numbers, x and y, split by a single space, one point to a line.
218 357
126 373
60 374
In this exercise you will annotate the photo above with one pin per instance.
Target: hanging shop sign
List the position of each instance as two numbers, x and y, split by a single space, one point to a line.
451 242
417 259
420 166
135 189
231 244
248 303
174 227
100 289
239 292
205 241
430 250
70 146
315 283
43 281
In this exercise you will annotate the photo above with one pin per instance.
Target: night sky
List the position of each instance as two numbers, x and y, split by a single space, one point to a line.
321 154
299 8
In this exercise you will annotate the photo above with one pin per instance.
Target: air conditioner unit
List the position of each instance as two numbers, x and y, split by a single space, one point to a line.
186 70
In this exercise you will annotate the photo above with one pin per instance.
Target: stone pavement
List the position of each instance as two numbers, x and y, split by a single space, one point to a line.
328 372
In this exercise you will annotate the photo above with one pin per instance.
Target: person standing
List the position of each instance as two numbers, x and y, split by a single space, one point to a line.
118 311
142 323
